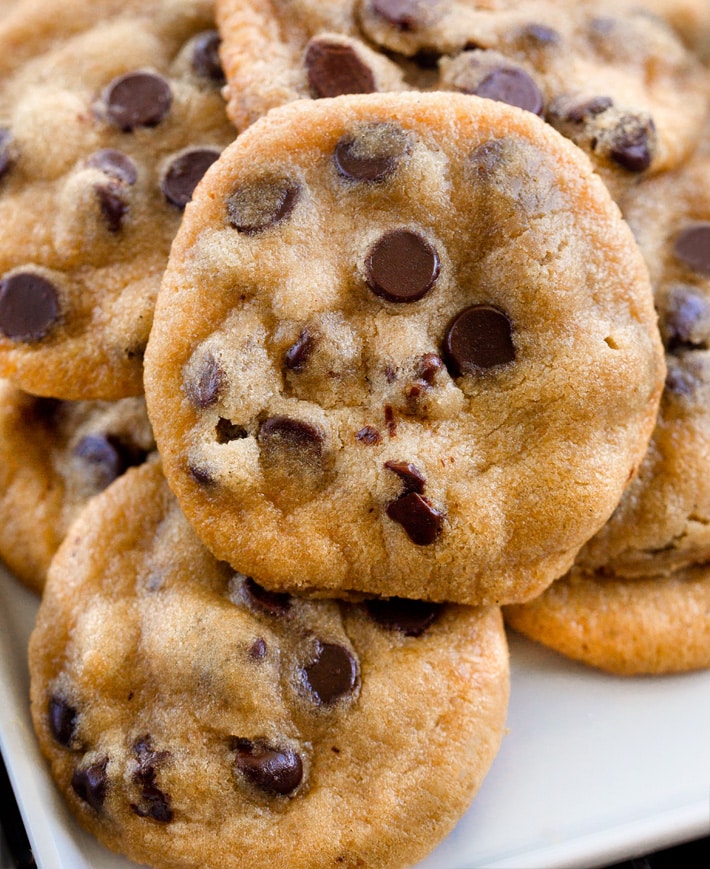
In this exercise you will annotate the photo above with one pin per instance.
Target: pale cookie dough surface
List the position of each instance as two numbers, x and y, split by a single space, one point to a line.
109 113
405 346
54 456
628 627
663 521
191 719
691 18
611 77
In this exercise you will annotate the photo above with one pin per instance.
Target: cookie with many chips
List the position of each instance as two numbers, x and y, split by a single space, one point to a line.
192 718
405 345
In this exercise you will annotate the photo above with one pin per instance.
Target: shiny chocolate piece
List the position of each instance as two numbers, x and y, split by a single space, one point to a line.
271 603
5 152
255 207
368 436
631 146
29 306
692 247
115 164
372 155
137 99
90 783
184 174
334 68
429 366
513 86
409 474
332 674
62 717
205 390
409 617
112 203
298 354
418 517
277 771
479 338
205 56
402 266
154 803
284 432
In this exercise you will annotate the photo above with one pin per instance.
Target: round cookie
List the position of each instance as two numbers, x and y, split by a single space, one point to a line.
54 456
191 718
426 318
109 113
628 627
605 74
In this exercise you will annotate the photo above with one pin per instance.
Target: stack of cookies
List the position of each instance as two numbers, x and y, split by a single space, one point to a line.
333 334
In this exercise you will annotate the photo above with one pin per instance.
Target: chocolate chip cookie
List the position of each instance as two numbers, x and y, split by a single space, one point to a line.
54 456
691 18
191 718
607 75
109 114
405 345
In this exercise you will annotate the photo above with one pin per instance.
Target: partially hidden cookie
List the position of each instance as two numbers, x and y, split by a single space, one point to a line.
691 18
54 456
109 114
405 345
190 718
607 75
627 627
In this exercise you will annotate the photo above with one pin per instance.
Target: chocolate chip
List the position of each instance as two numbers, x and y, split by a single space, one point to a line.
113 205
334 68
372 155
91 783
390 421
201 475
410 475
205 56
418 516
488 157
62 720
270 602
297 355
226 431
155 803
479 338
332 673
255 207
578 110
402 266
540 34
429 366
104 455
692 247
115 164
274 770
137 99
368 435
185 173
284 432
5 152
204 391
405 15
512 86
409 617
258 650
686 321
631 146
29 306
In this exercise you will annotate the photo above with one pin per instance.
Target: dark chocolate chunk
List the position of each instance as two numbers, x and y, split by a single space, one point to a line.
205 390
410 475
270 602
405 15
154 803
104 455
258 650
390 421
113 205
578 110
334 68
429 366
409 617
5 152
185 173
332 673
368 435
90 783
418 516
274 770
29 306
686 321
297 355
692 247
631 145
115 164
291 434
227 431
372 155
137 99
256 207
513 86
201 475
205 56
479 338
62 720
402 266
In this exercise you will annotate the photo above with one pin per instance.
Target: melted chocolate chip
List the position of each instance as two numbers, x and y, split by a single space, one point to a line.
155 803
631 146
115 164
298 354
409 617
291 434
205 390
405 15
418 517
512 86
205 56
479 338
62 720
402 266
332 674
256 207
270 602
274 770
29 306
334 69
185 173
113 205
368 435
372 155
692 247
5 152
227 431
91 783
137 99
410 475
687 318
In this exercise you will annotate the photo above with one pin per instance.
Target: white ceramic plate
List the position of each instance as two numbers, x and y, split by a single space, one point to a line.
593 768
